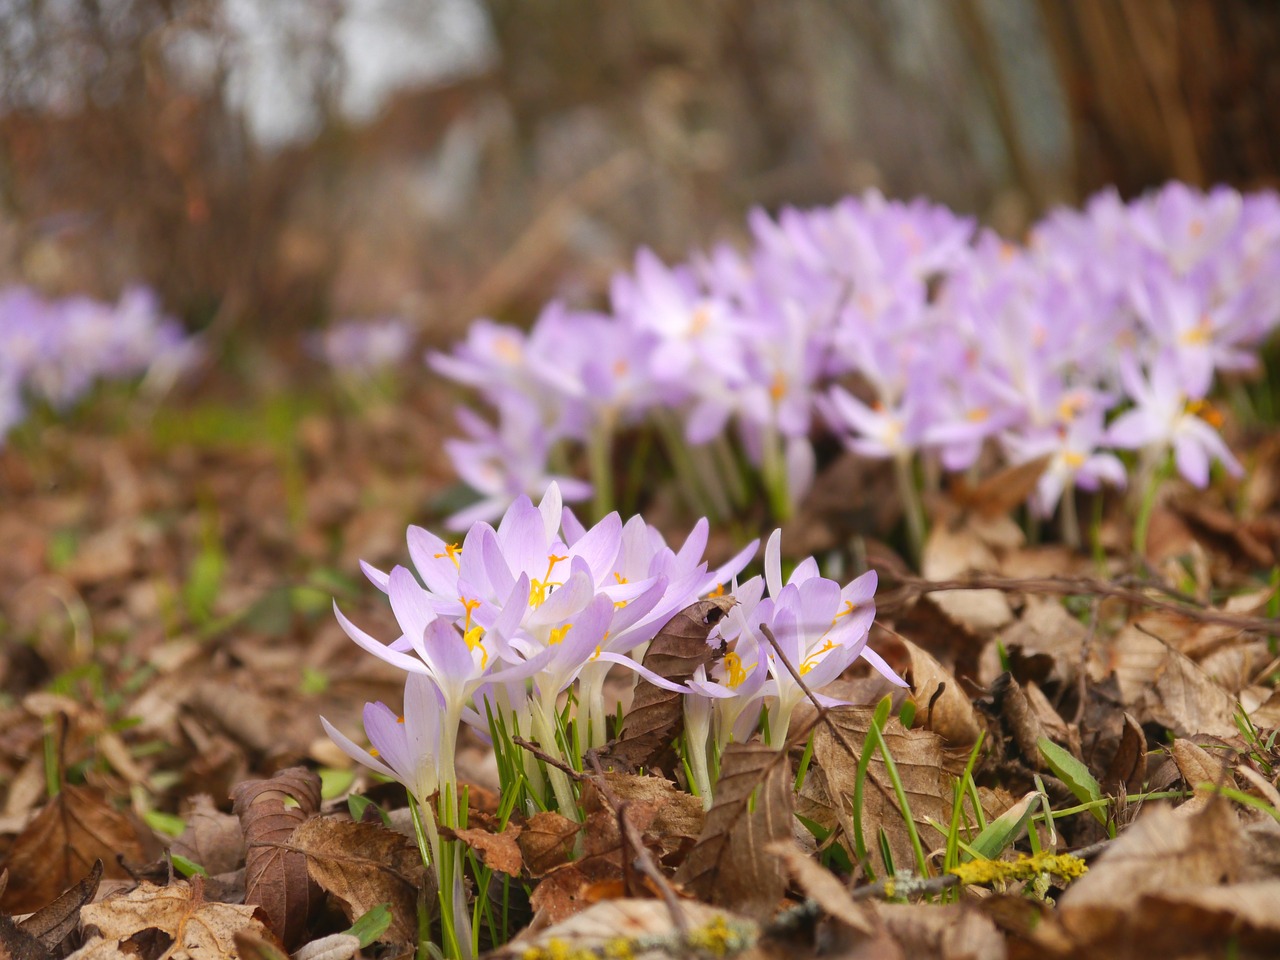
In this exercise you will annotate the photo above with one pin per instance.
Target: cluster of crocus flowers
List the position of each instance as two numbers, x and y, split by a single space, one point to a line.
902 329
54 351
502 626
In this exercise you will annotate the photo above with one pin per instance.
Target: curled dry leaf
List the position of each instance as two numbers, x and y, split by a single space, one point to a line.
198 929
968 548
212 838
59 847
546 841
730 865
941 704
363 865
824 888
656 718
51 924
276 876
639 929
1128 766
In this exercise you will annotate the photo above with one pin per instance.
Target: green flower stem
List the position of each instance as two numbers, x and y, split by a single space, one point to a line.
544 732
678 451
600 457
1152 472
912 508
774 474
730 470
1068 517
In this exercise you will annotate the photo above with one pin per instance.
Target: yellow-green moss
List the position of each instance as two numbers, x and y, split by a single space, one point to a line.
1064 866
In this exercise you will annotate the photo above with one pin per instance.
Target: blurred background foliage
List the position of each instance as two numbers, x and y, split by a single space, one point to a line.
269 166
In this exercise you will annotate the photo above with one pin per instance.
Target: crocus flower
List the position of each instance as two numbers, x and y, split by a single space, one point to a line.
1165 415
403 747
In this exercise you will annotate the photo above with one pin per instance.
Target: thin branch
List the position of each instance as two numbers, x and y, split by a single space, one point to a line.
644 858
549 760
1089 587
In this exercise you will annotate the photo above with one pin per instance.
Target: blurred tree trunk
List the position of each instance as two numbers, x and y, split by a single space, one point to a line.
1162 89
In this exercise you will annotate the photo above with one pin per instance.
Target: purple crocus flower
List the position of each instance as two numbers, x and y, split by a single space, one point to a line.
405 748
1164 415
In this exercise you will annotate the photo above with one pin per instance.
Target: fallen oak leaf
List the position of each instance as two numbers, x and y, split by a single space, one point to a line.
276 877
656 717
196 928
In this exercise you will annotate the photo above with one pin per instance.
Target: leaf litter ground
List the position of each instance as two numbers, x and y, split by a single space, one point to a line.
1086 760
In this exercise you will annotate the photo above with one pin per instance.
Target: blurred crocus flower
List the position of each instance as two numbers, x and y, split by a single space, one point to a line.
1164 414
364 348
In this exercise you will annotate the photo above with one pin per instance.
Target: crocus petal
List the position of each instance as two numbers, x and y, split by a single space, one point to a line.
881 667
773 563
378 649
410 604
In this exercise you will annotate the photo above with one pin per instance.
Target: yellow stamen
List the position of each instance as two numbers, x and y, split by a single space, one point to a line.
1195 228
1206 412
557 635
399 719
595 656
717 592
977 414
701 320
451 550
733 665
1073 459
812 659
374 752
508 349
1201 333
620 368
468 606
620 578
849 607
778 387
472 638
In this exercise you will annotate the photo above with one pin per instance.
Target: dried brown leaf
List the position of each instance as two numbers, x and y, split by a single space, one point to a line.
729 865
941 704
957 931
1161 684
824 888
1162 851
563 892
1199 767
199 929
1003 491
1128 767
51 924
668 819
546 841
212 838
924 767
276 877
656 716
363 865
497 851
17 944
253 947
59 847
953 552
